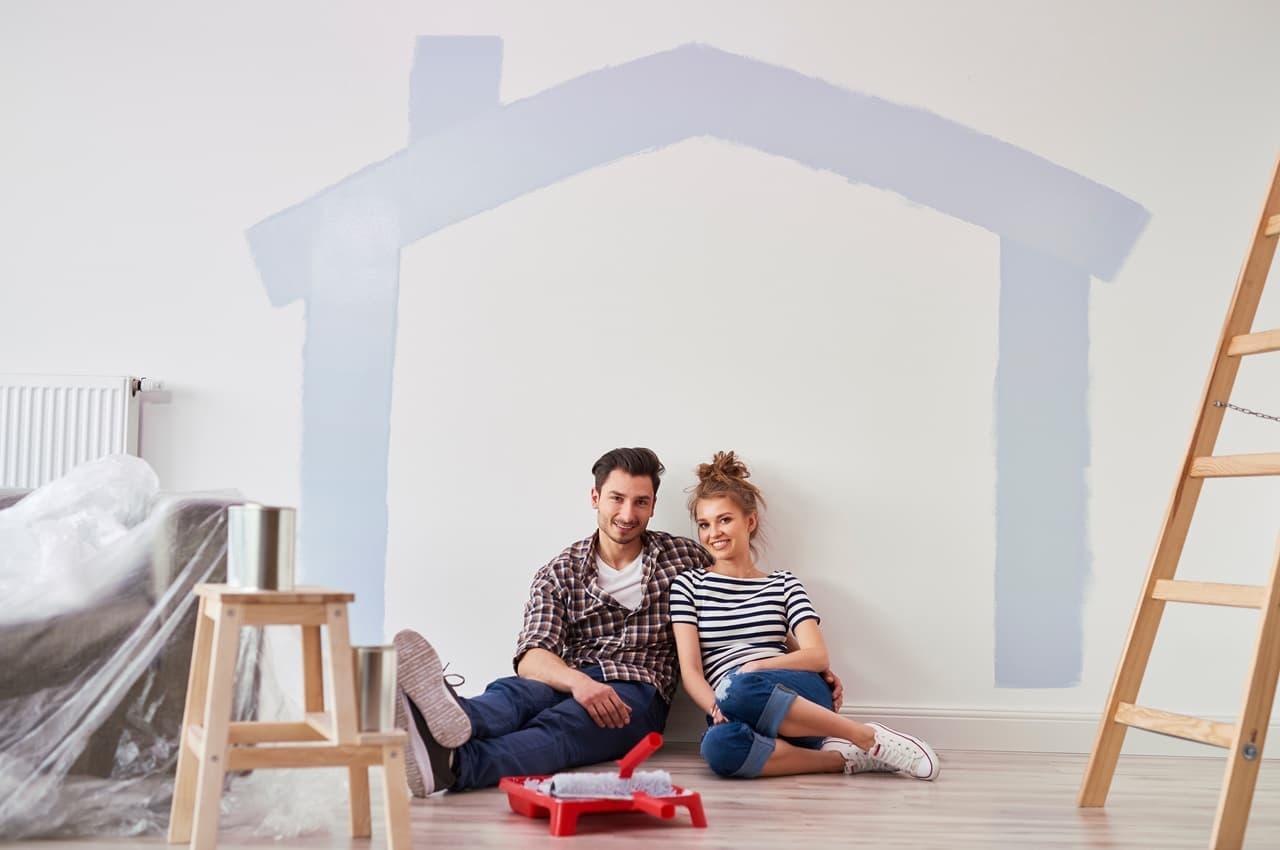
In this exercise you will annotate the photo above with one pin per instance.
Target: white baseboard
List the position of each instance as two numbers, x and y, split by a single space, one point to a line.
990 729
1019 731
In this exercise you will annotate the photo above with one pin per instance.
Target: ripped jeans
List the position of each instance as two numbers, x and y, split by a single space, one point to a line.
754 705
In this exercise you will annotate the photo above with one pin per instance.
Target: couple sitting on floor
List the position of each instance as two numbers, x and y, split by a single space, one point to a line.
607 623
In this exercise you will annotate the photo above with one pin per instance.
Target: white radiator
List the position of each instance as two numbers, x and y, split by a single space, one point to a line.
51 423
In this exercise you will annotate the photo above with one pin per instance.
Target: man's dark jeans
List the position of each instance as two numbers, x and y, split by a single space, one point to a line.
521 727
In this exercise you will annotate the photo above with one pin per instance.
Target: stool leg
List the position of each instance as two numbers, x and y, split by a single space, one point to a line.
312 670
184 786
217 717
345 725
361 809
395 786
343 675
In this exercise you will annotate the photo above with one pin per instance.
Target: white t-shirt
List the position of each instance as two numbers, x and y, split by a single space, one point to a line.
625 585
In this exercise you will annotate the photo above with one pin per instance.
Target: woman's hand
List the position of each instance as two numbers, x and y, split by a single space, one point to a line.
716 717
837 688
749 667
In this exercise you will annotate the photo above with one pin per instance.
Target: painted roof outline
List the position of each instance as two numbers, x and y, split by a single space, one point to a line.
906 150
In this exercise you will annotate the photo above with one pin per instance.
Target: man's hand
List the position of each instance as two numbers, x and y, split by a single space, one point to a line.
603 704
837 688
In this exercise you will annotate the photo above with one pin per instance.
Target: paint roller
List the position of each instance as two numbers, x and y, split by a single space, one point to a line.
613 786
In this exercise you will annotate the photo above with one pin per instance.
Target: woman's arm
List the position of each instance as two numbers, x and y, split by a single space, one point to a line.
811 656
691 674
829 675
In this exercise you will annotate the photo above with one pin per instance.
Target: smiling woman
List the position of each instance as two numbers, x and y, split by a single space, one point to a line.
752 654
726 507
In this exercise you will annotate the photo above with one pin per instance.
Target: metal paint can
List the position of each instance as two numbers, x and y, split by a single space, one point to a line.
260 547
375 687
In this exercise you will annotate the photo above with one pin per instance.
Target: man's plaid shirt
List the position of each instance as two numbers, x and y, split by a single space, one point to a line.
568 614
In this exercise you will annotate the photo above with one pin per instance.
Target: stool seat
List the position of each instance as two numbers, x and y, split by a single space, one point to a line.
297 596
211 744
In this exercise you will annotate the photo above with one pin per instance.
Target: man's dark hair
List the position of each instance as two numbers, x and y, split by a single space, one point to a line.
635 461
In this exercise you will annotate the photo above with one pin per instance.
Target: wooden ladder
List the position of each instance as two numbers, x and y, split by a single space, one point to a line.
1244 739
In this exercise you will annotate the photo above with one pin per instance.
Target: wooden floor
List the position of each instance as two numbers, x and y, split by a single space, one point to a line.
981 800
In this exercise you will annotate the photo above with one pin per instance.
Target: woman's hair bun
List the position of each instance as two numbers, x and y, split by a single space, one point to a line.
725 467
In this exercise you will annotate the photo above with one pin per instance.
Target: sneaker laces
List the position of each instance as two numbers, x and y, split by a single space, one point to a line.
856 759
896 752
452 681
860 761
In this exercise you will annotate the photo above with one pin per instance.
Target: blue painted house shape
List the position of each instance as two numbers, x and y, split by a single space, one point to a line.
339 251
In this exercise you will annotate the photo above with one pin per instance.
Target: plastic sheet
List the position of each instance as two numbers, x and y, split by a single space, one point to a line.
50 540
97 620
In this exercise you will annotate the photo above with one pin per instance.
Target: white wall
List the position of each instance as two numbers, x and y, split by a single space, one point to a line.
841 339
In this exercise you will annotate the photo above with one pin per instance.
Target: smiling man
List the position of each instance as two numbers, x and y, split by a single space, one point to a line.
595 662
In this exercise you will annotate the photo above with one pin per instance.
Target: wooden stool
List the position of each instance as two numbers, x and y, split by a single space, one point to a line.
211 744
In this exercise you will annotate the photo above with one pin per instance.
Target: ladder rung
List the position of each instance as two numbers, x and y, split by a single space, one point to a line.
1178 725
1209 593
1259 343
1273 226
1236 466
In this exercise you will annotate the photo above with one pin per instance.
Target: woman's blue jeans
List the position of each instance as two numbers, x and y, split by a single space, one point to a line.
754 704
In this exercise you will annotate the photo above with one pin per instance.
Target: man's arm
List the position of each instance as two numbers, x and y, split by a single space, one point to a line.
599 699
541 645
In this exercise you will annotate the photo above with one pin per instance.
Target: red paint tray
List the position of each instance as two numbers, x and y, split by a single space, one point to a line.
564 813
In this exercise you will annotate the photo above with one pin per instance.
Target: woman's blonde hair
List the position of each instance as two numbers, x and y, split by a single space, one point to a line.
727 475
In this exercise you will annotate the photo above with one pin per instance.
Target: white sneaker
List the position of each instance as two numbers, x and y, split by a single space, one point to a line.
905 753
856 759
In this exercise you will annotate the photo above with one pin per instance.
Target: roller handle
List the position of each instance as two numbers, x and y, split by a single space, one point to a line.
648 745
652 805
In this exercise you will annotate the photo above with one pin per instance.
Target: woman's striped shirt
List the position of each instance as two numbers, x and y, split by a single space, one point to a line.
739 619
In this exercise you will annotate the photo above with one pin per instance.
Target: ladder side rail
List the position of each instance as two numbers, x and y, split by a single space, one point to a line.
1251 732
1164 561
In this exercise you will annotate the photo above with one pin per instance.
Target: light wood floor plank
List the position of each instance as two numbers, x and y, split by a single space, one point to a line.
981 800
